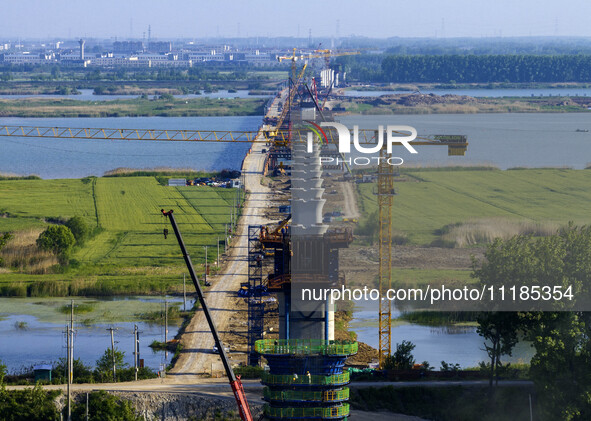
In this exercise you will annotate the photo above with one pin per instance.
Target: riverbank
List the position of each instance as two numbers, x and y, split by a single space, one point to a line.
418 103
412 87
164 106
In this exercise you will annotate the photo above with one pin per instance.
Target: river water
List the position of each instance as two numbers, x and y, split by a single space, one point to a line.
32 330
502 140
88 95
452 344
67 158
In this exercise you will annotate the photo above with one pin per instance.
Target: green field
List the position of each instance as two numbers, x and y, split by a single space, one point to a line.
128 253
429 203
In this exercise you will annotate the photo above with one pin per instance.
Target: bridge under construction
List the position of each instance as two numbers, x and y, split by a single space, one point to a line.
306 376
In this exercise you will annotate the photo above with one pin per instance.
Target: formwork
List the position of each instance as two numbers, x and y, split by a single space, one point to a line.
306 378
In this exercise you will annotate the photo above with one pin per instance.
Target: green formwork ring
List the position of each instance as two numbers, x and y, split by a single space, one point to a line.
305 347
325 413
305 380
320 396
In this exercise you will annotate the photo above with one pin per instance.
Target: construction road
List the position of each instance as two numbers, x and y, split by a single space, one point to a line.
197 357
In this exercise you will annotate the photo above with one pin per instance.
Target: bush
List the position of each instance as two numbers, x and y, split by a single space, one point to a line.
2 372
249 372
32 404
103 406
79 228
57 239
402 359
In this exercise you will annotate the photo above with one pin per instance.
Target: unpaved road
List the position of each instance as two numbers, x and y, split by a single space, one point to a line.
197 358
351 209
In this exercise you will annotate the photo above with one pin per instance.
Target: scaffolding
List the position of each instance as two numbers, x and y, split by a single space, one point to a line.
306 378
256 305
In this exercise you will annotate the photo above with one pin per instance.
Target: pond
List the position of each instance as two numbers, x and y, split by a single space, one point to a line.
32 330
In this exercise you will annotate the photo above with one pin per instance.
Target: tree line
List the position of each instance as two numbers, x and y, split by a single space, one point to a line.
524 68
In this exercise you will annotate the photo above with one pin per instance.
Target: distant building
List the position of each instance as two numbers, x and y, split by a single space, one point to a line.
128 47
29 58
160 47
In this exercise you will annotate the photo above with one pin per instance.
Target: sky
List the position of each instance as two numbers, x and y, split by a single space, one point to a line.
41 19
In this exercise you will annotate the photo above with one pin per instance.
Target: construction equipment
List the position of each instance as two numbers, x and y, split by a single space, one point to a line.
235 382
456 146
277 234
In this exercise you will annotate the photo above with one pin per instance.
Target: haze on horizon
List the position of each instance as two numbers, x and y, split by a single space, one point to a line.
42 19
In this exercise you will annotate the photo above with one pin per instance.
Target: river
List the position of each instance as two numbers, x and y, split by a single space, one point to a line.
88 95
452 344
502 140
67 158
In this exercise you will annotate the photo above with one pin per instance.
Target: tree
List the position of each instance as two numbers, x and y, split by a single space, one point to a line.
402 359
500 331
104 365
103 406
80 373
30 404
79 228
57 239
2 373
561 367
4 238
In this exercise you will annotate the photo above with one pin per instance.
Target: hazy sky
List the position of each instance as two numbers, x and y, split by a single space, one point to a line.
229 18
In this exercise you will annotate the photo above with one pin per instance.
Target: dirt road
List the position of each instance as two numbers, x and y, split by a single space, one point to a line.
197 357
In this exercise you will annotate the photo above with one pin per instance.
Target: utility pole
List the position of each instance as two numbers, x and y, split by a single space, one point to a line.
165 321
70 353
86 414
205 277
112 329
136 349
184 294
226 240
218 259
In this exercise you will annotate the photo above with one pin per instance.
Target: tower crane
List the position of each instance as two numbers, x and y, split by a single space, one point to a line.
456 146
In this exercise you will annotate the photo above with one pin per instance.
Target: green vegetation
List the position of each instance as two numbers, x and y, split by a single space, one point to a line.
57 239
515 68
104 406
452 208
164 107
128 253
32 404
402 359
561 366
439 318
443 403
79 229
249 372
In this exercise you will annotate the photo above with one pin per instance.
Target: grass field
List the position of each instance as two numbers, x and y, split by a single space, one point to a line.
128 254
435 205
193 107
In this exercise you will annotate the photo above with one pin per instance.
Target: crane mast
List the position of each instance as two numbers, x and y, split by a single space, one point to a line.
235 382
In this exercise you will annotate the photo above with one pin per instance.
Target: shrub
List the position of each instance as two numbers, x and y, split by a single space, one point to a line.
402 359
103 406
79 228
57 239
